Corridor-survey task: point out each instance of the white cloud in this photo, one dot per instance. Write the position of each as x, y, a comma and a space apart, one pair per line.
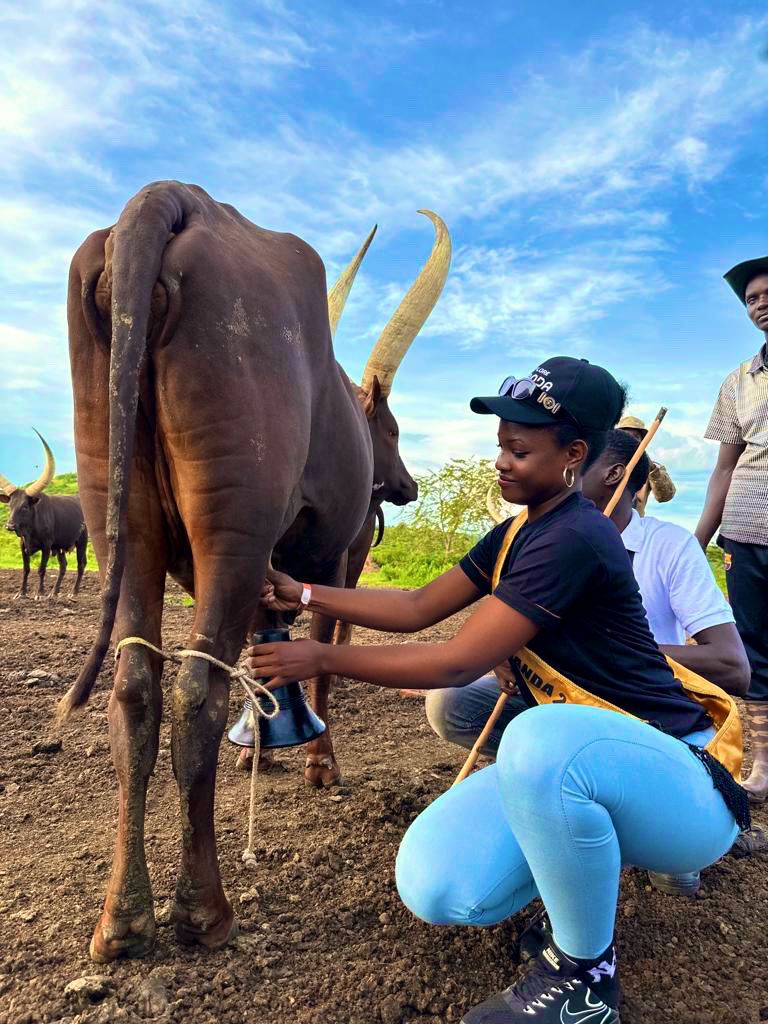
526, 300
75, 72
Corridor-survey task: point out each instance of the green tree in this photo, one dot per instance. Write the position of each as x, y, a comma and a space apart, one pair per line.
451, 505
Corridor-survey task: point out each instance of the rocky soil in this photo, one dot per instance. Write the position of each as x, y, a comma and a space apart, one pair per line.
324, 938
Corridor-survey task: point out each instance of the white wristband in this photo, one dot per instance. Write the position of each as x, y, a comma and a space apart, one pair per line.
306, 596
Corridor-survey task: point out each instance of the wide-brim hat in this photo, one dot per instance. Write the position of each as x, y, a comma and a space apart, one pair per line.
631, 423
560, 390
738, 277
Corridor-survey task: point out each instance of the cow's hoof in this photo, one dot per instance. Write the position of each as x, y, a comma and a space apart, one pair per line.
245, 761
203, 927
322, 770
116, 937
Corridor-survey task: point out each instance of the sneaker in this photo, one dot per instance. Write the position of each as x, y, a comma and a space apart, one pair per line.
556, 990
753, 841
535, 936
686, 883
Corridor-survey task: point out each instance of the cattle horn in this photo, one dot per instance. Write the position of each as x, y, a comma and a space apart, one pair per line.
6, 486
411, 315
491, 499
498, 509
337, 296
49, 471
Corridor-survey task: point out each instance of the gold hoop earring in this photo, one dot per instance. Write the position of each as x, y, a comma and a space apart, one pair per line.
572, 481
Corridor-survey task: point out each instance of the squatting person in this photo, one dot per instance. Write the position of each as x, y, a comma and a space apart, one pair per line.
737, 503
608, 763
679, 595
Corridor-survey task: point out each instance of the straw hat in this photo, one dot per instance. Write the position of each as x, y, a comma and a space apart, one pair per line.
631, 423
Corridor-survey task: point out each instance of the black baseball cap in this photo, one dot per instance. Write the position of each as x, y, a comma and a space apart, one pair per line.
560, 390
738, 277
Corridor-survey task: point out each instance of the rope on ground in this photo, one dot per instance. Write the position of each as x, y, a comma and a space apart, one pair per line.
241, 674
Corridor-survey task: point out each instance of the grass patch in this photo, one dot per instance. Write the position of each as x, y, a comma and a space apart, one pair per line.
409, 556
715, 559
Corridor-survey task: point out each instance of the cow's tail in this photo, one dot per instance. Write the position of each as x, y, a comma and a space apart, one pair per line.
140, 238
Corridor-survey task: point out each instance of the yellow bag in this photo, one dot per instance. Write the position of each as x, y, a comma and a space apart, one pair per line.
549, 686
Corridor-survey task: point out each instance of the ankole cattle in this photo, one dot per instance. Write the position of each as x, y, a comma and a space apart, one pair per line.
51, 524
214, 429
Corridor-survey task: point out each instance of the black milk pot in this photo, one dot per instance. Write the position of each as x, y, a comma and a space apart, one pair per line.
296, 724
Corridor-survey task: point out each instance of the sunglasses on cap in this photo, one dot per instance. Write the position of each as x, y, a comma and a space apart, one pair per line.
512, 387
524, 387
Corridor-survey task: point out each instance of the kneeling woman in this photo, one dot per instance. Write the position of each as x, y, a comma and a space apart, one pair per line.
607, 766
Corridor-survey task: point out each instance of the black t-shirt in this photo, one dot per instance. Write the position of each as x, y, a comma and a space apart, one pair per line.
570, 573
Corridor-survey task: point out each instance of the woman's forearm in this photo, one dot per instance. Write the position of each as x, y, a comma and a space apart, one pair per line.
397, 611
491, 633
393, 611
423, 665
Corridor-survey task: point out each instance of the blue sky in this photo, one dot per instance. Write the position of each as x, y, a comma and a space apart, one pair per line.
599, 165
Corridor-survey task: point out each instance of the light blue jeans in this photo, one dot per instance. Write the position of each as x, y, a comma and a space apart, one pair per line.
575, 793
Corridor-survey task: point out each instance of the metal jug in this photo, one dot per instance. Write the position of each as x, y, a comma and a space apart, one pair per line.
296, 724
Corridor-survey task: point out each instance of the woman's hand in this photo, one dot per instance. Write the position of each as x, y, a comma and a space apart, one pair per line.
286, 662
280, 593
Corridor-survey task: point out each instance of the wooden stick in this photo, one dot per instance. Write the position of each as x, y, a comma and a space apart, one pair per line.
474, 753
616, 496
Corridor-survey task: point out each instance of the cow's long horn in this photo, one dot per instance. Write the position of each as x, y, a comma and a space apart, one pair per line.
337, 296
411, 315
49, 471
6, 486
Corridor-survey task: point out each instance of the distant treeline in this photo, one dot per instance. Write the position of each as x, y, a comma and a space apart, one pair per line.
410, 556
441, 527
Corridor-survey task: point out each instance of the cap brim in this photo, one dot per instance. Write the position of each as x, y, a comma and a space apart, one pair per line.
513, 410
738, 277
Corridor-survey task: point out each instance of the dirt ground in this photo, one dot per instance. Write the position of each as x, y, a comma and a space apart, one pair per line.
323, 939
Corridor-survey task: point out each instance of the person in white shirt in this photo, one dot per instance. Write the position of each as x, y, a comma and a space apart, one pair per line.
679, 592
680, 597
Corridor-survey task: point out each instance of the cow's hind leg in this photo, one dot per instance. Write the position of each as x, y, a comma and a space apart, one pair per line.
82, 558
226, 598
62, 569
127, 923
321, 768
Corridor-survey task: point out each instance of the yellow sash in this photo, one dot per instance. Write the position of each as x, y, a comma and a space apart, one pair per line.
549, 686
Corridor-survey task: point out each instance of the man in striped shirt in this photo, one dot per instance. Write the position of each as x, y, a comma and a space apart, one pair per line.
737, 503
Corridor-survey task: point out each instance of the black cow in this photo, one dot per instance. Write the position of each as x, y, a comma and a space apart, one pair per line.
51, 524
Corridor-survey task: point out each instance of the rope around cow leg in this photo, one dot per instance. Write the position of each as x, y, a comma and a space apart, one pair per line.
240, 674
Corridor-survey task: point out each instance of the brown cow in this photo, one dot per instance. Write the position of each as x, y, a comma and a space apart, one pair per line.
213, 428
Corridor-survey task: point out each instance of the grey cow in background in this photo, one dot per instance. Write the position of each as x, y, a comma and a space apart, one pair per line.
50, 524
